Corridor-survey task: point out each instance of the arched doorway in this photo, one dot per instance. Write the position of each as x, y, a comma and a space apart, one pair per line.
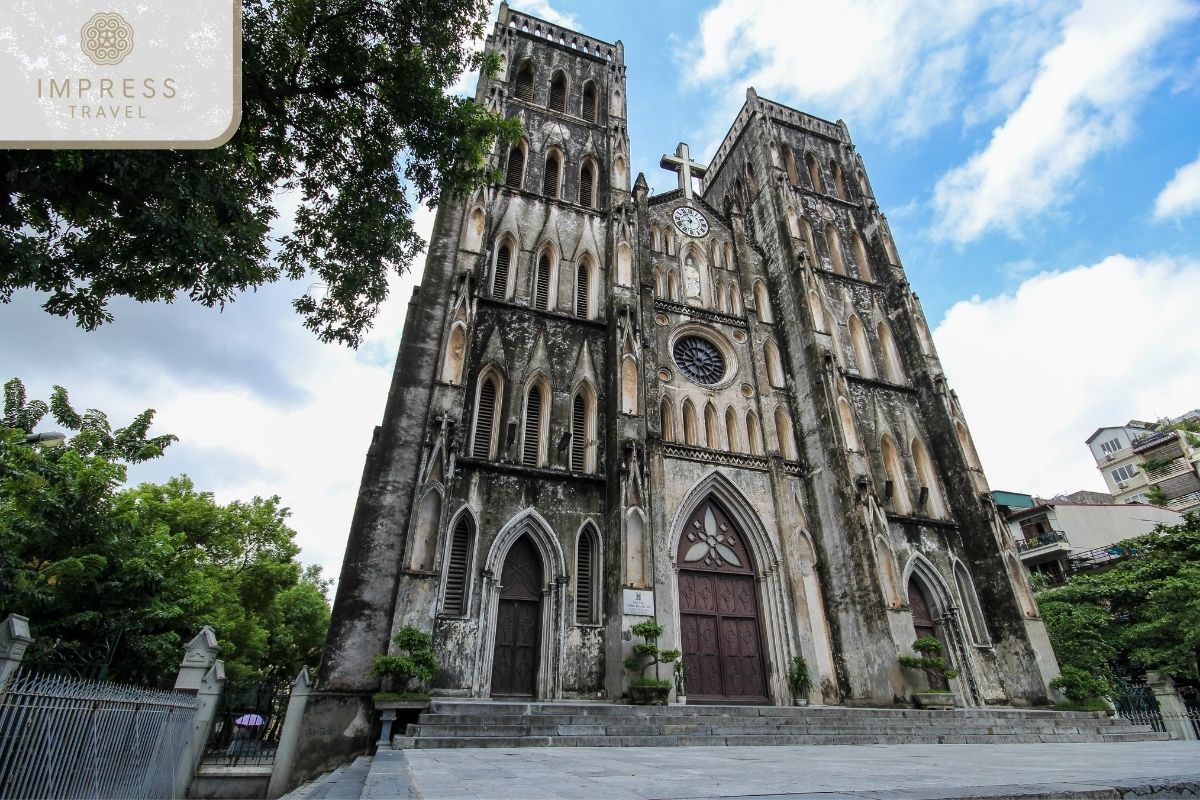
924, 625
518, 622
718, 611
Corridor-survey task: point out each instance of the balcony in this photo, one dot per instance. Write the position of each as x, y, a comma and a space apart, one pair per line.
1144, 443
1176, 466
1185, 502
1089, 560
1042, 540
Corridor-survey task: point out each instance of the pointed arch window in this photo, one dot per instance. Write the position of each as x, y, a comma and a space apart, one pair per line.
542, 282
524, 86
862, 350
584, 283
834, 243
502, 270
691, 426
754, 434
731, 431
809, 241
583, 429
589, 101
456, 347
669, 241
970, 603
629, 385
666, 412
425, 534
660, 290
783, 430
728, 260
814, 173
862, 183
673, 286
735, 300
712, 429
458, 567
893, 469
473, 235
762, 302
891, 357
487, 412
537, 404
624, 264
655, 239
839, 181
514, 173
964, 441
774, 365
846, 419
793, 223
550, 178
860, 256
558, 92
587, 184
933, 505
818, 312
751, 181
789, 160
587, 577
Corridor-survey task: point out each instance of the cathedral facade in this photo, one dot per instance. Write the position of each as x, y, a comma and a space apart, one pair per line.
718, 406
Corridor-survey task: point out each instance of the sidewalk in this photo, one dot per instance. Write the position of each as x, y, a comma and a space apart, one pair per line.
838, 772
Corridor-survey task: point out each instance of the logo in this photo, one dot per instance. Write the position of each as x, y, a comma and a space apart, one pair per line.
106, 38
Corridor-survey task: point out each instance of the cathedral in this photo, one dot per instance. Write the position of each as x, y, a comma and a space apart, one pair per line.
719, 407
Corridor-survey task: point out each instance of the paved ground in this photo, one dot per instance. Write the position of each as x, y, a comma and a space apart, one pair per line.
836, 772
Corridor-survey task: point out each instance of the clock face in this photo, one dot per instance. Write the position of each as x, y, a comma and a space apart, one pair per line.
690, 221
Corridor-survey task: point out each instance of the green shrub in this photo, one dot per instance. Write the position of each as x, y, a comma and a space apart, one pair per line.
415, 664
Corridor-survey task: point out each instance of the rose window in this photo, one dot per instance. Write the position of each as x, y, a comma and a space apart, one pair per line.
699, 359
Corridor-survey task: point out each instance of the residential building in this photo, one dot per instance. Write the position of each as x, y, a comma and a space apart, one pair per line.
1145, 462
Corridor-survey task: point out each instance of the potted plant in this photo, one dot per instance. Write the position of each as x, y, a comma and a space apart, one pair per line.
407, 673
680, 683
937, 673
799, 680
649, 690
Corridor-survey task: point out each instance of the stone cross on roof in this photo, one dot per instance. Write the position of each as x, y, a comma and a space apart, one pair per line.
687, 169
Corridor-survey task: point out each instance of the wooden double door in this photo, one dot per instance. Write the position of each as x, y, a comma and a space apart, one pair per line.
718, 612
516, 658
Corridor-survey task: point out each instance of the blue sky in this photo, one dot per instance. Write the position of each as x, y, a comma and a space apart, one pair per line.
1039, 163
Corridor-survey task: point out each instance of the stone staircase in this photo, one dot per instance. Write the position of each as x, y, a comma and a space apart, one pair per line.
464, 723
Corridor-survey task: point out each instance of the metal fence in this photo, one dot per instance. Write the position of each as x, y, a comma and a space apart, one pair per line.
247, 724
62, 737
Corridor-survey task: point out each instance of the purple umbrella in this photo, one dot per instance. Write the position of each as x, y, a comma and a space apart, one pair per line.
249, 720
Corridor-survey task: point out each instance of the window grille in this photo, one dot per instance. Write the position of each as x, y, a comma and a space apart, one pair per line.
533, 427
525, 85
578, 433
500, 278
541, 287
550, 179
582, 290
485, 417
558, 94
585, 186
455, 602
589, 103
585, 579
516, 166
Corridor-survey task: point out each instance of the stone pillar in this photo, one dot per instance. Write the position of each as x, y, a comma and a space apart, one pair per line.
201, 674
1170, 705
14, 638
289, 738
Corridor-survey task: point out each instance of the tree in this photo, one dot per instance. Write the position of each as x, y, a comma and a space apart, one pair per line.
344, 103
1144, 611
95, 565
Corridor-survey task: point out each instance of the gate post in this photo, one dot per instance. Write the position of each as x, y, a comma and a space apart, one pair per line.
1175, 717
201, 674
14, 638
289, 739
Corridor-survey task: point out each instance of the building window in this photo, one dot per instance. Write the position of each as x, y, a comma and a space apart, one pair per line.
587, 183
1122, 474
541, 283
587, 574
583, 429
589, 101
501, 271
550, 177
1111, 446
524, 88
558, 92
516, 168
486, 406
536, 401
583, 288
454, 601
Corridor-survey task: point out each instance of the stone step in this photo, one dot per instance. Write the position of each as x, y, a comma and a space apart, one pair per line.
767, 740
828, 722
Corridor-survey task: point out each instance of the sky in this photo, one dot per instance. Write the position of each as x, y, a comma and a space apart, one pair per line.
1039, 164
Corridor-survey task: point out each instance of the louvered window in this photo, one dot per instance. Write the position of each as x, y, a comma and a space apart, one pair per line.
485, 419
585, 186
516, 166
500, 278
533, 427
585, 579
525, 85
589, 103
582, 290
455, 602
541, 284
558, 93
550, 179
579, 433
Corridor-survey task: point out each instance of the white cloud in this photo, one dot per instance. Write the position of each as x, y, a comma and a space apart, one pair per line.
1039, 370
1083, 100
542, 9
1181, 196
901, 66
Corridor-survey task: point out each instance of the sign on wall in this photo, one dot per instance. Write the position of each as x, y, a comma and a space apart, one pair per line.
639, 602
